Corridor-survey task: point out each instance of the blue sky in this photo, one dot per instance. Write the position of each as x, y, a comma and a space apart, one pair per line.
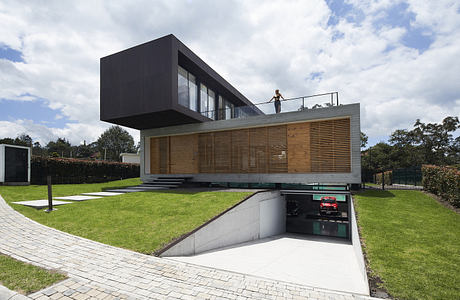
399, 59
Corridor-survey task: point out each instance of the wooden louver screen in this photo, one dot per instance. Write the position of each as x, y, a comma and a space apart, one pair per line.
330, 146
321, 146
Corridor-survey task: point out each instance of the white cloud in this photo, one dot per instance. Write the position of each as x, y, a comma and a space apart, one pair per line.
257, 46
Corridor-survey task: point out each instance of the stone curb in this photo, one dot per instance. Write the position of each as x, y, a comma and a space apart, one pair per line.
7, 294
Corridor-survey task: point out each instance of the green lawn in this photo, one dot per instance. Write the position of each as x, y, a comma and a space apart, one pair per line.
25, 278
412, 243
143, 221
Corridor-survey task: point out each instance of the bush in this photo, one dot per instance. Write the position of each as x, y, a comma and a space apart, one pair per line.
388, 178
67, 170
442, 181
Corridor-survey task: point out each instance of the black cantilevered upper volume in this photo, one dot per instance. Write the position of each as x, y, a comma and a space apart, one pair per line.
140, 87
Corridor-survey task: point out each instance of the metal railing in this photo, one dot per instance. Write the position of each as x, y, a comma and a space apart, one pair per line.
267, 107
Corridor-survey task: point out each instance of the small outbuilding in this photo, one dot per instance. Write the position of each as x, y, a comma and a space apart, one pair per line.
133, 158
14, 165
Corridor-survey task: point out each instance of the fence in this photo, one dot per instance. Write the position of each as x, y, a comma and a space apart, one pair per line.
408, 176
287, 105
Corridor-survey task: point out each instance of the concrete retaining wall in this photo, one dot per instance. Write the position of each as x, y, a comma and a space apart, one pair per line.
259, 216
357, 243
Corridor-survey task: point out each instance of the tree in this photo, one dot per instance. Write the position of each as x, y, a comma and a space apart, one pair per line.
435, 140
85, 150
61, 146
115, 141
38, 150
8, 141
23, 140
379, 157
364, 139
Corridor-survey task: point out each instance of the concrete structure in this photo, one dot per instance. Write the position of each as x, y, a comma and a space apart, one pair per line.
132, 158
14, 165
261, 215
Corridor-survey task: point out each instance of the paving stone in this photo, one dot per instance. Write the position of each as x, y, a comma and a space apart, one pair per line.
69, 292
49, 292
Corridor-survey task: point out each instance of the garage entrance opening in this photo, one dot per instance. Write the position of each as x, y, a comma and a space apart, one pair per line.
320, 213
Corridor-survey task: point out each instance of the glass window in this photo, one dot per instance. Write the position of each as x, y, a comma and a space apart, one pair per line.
182, 87
211, 102
193, 93
204, 99
228, 110
221, 109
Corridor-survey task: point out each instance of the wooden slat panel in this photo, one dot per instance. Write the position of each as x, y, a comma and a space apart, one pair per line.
206, 152
184, 154
223, 152
163, 148
240, 151
154, 156
277, 147
330, 146
258, 152
342, 146
298, 140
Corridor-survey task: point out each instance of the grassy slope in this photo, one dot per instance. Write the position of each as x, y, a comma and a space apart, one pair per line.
25, 278
412, 243
142, 221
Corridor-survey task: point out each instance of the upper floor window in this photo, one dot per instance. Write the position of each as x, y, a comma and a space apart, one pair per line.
226, 109
187, 89
208, 102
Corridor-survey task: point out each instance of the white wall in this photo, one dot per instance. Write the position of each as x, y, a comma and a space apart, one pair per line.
357, 243
130, 158
2, 161
260, 216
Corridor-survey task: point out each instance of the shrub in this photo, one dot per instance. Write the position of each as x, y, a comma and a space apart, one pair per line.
442, 181
67, 170
388, 177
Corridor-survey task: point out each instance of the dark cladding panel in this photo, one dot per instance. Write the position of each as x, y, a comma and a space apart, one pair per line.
137, 81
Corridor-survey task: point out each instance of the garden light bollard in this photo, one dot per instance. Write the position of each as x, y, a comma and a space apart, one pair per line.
50, 195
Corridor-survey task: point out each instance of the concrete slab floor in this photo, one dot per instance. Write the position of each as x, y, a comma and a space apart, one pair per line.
314, 261
77, 198
126, 190
104, 194
38, 204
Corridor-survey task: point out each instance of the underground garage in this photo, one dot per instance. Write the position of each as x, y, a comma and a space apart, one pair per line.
321, 213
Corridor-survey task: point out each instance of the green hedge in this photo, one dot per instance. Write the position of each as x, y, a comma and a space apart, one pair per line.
388, 178
67, 170
442, 181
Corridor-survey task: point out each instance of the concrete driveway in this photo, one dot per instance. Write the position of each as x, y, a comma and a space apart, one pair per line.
327, 263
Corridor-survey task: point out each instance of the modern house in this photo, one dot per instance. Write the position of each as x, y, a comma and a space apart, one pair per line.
195, 124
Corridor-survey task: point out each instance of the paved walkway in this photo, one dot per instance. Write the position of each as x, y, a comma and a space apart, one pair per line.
99, 271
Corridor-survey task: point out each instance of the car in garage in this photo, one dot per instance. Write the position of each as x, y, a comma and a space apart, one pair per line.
328, 205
